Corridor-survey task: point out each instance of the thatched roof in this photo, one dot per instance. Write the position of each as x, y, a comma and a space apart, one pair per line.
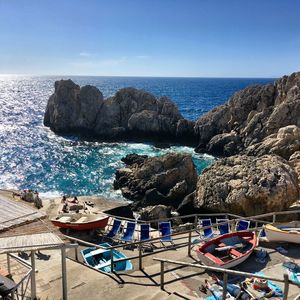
29, 242
13, 213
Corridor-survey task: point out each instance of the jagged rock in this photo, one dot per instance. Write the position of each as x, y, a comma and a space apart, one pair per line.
247, 185
295, 163
224, 143
133, 158
283, 143
187, 206
253, 114
72, 108
155, 212
130, 113
158, 180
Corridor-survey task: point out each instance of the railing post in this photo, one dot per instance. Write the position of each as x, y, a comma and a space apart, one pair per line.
76, 253
196, 222
225, 279
140, 257
274, 218
64, 273
8, 263
112, 260
33, 282
162, 273
190, 244
286, 286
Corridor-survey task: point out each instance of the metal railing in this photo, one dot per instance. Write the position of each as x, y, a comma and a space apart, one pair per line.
24, 282
225, 272
188, 235
225, 215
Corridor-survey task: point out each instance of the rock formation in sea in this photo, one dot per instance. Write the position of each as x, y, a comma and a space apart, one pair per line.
249, 117
150, 181
257, 132
129, 114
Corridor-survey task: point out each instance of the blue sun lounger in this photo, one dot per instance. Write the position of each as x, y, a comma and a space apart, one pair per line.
114, 230
165, 228
242, 225
223, 228
128, 235
145, 232
207, 232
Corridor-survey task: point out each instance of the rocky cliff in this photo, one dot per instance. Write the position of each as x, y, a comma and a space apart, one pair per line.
130, 113
249, 117
257, 129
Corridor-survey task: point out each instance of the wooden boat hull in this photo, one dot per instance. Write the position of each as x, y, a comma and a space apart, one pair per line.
207, 252
275, 234
88, 225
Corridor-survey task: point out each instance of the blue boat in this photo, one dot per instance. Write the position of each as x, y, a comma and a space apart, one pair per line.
100, 259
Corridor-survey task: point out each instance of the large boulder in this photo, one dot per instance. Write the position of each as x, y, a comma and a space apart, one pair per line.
251, 115
247, 185
130, 113
72, 108
157, 180
284, 143
156, 212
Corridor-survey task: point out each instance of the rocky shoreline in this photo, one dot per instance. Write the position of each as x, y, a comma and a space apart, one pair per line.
256, 132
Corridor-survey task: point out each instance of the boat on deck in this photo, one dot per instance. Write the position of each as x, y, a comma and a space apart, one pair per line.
80, 221
283, 232
100, 258
227, 250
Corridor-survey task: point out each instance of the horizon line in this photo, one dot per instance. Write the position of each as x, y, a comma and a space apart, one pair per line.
143, 76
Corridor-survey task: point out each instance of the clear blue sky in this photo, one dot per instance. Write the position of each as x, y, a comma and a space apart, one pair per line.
218, 38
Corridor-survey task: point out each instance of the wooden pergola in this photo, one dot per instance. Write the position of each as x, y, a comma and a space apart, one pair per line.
33, 243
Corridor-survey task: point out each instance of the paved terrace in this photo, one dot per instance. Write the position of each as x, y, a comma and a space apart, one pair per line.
180, 282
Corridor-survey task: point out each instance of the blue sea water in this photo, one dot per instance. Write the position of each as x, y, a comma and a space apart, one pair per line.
31, 156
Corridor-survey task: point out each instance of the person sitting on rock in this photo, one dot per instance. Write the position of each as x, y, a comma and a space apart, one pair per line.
37, 200
65, 208
64, 199
75, 200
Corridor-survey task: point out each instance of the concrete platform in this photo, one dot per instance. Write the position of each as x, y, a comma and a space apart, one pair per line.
180, 283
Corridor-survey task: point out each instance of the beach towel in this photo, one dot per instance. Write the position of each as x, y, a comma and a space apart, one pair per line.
277, 290
293, 271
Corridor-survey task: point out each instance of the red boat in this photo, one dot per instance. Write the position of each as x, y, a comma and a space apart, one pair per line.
80, 221
227, 250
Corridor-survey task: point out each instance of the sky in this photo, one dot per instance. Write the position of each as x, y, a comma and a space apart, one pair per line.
181, 38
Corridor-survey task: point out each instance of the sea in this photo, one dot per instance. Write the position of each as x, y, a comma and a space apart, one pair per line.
33, 157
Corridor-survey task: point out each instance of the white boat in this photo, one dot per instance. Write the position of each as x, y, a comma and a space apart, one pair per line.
283, 232
227, 250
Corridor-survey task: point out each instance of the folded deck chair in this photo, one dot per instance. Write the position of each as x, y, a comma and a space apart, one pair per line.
208, 232
114, 229
242, 225
145, 232
128, 235
165, 228
145, 237
223, 228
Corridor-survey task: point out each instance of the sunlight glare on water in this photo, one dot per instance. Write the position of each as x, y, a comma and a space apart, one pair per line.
31, 156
